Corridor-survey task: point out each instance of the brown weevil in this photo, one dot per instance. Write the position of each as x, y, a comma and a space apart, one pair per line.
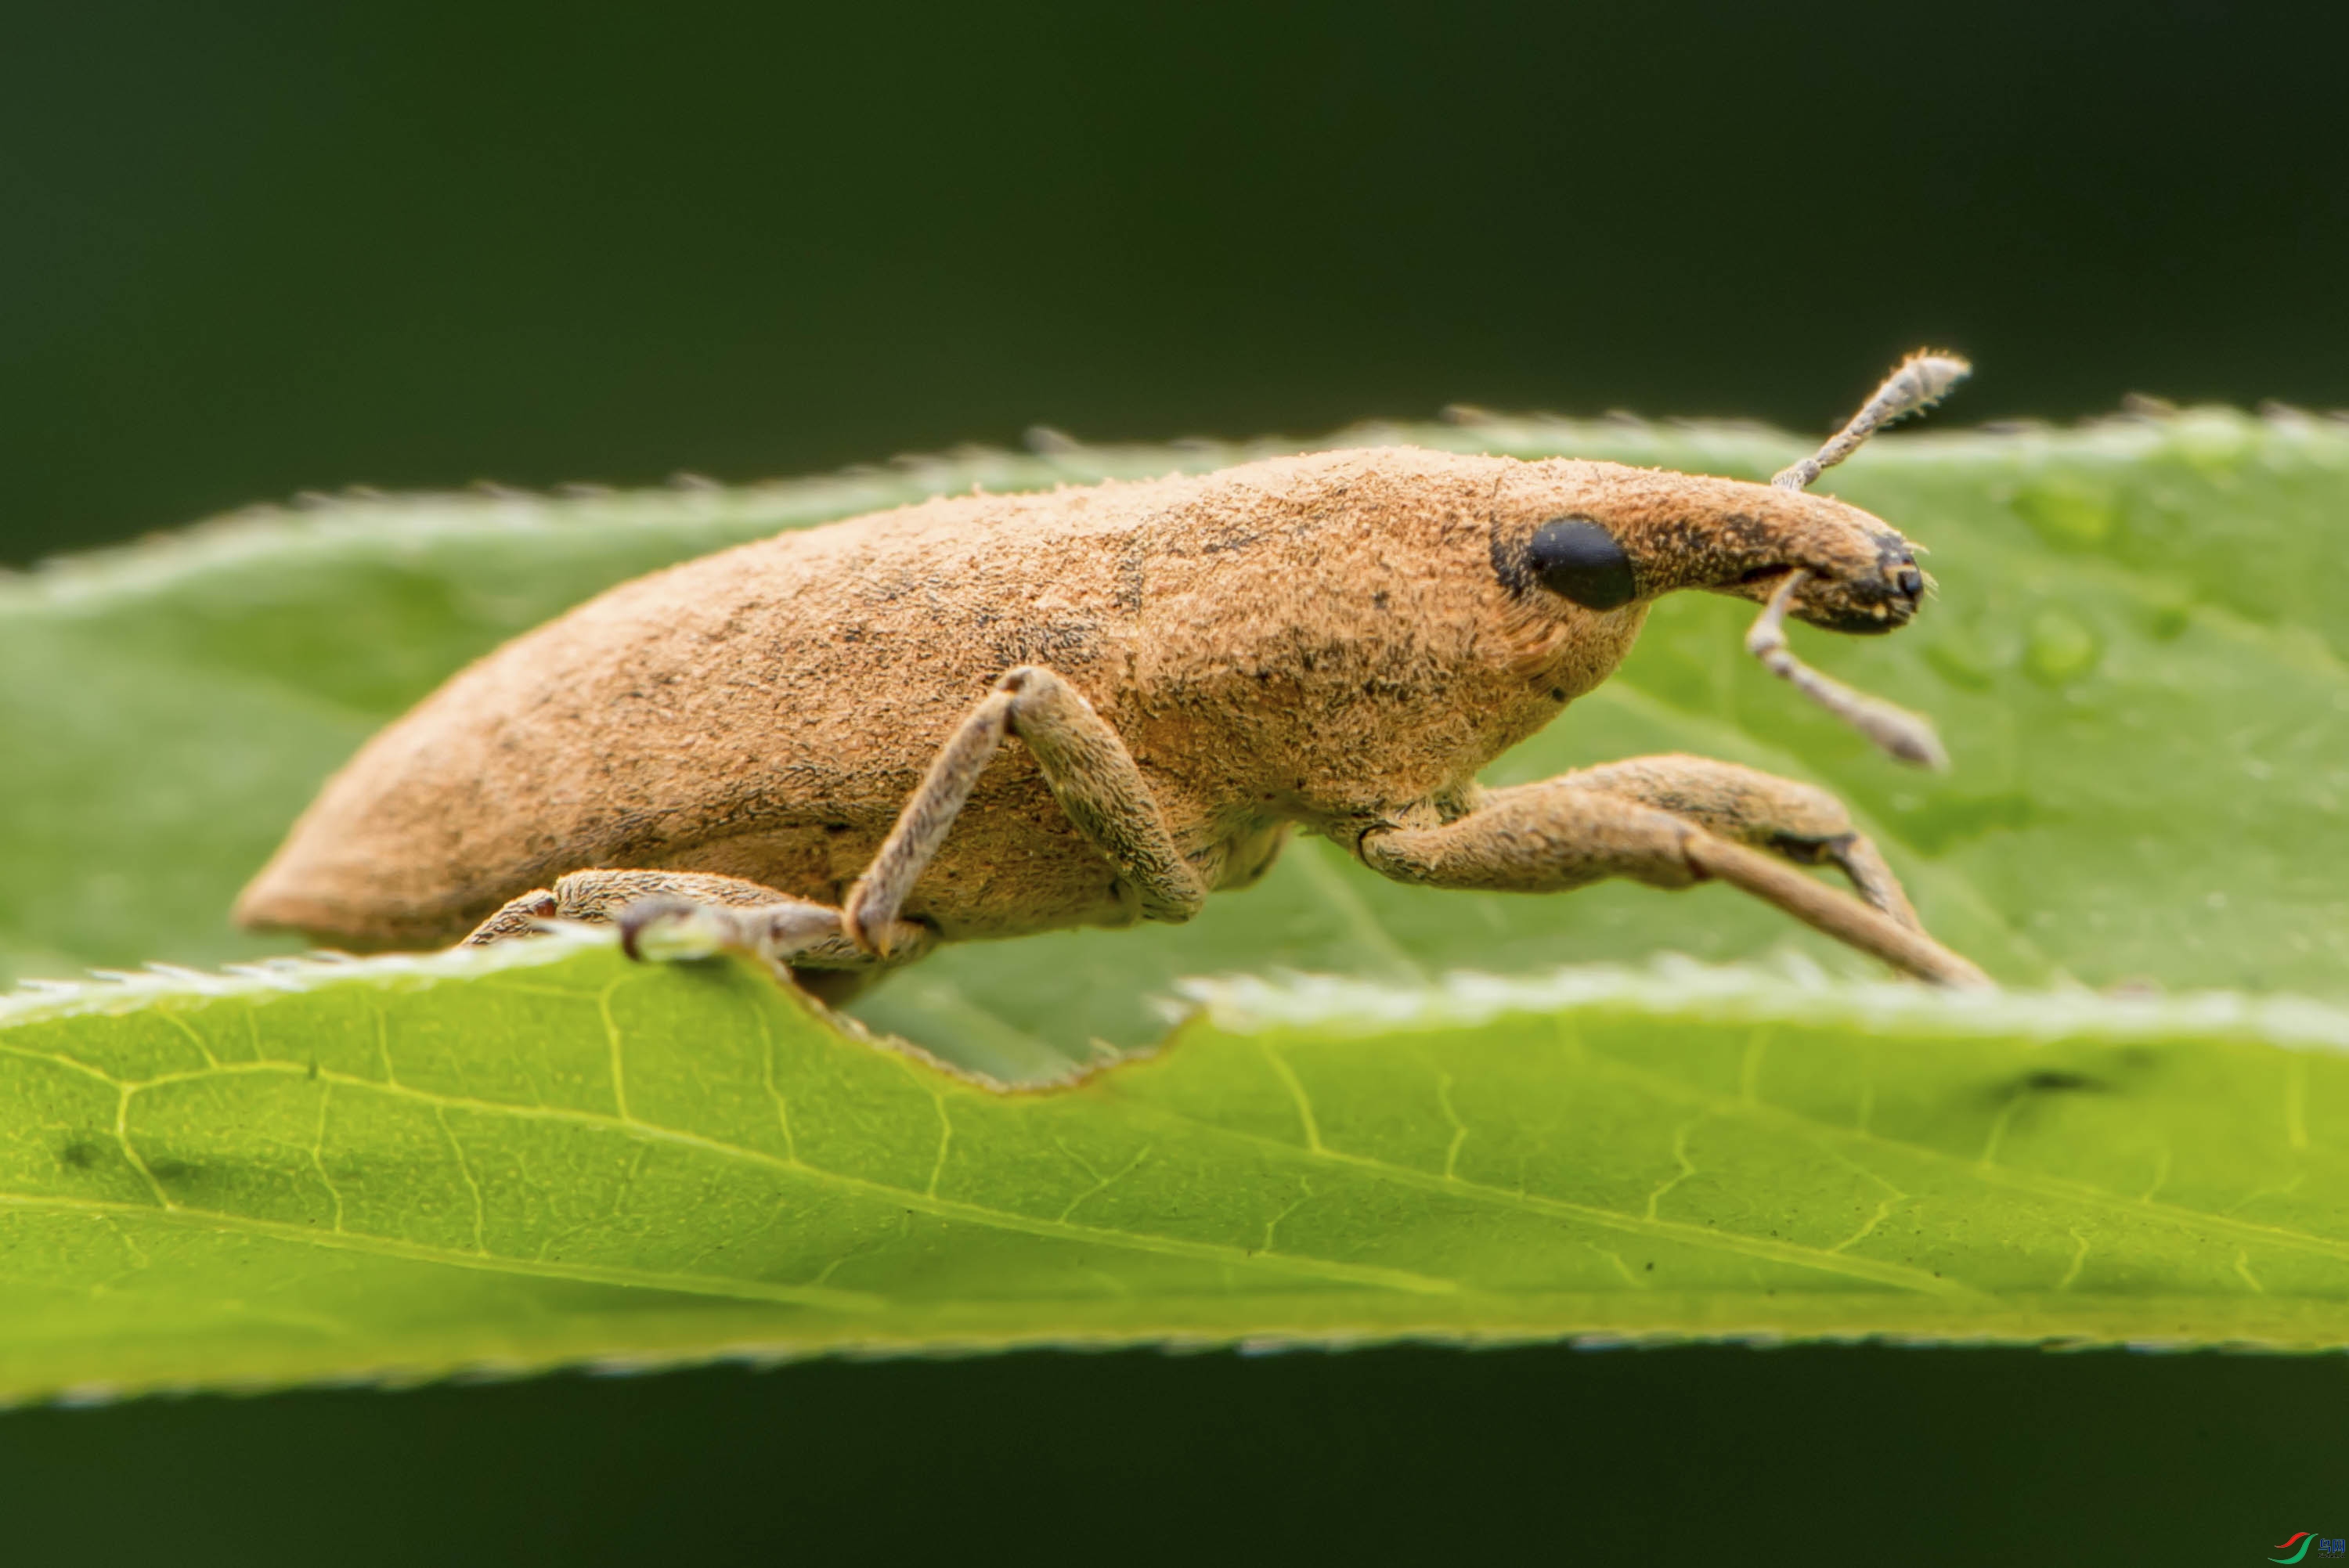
795, 746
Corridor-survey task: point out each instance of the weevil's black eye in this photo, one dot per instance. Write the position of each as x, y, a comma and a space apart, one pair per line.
1576, 559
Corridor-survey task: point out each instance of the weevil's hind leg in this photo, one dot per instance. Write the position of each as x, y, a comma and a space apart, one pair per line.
1557, 835
1804, 823
682, 915
1091, 774
597, 897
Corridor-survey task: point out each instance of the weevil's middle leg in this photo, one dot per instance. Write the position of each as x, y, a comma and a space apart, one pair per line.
1559, 835
1091, 774
687, 913
1760, 809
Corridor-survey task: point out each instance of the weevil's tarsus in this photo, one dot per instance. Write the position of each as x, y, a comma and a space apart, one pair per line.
1091, 775
674, 931
1859, 859
667, 917
788, 933
1919, 382
1904, 736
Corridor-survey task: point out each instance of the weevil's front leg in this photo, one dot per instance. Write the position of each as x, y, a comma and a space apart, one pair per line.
1797, 820
664, 914
1091, 774
1557, 835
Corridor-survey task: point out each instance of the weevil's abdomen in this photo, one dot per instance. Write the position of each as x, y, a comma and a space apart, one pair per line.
1311, 639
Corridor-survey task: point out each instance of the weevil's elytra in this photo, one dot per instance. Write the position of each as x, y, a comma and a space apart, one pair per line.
800, 745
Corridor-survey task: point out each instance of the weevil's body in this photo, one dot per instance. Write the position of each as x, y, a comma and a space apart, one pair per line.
1337, 642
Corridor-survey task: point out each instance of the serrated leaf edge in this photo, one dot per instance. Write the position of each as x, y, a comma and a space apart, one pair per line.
1670, 986
398, 521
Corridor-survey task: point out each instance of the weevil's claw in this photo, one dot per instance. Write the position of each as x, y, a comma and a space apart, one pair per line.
671, 930
863, 938
1909, 737
1958, 973
524, 916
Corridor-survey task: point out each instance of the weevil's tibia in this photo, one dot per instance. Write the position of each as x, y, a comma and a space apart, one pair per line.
1091, 774
1905, 736
1842, 917
1919, 382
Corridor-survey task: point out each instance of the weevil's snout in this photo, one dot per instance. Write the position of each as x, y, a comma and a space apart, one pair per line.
1879, 593
1860, 577
1601, 538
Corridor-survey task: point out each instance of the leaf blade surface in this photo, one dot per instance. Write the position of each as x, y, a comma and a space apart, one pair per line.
322, 1177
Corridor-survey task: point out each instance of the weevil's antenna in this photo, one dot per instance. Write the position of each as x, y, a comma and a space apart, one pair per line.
1920, 381
1917, 383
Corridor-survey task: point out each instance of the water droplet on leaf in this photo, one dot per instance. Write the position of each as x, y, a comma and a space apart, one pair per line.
2061, 650
2070, 514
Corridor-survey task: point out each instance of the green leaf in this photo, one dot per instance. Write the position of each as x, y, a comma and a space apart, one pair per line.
544, 1153
2140, 660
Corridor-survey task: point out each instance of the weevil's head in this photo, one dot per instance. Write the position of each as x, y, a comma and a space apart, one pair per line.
1599, 538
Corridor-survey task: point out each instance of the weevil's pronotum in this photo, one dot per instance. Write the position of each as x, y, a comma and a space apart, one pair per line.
796, 746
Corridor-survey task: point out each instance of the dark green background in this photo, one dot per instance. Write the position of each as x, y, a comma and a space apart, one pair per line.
249, 251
